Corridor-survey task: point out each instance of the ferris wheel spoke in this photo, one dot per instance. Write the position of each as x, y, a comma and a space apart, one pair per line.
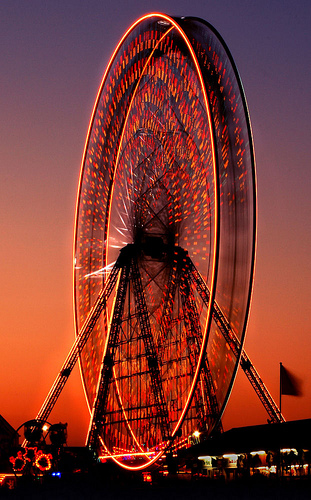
157, 180
153, 215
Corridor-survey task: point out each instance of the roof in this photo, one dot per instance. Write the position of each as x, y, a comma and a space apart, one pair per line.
293, 434
6, 429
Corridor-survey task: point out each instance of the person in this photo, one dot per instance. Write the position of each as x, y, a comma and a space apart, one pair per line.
240, 465
269, 459
256, 462
246, 465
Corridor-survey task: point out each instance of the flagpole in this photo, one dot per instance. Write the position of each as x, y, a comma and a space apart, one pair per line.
280, 405
281, 387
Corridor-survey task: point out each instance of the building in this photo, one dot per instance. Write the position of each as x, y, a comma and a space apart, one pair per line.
282, 449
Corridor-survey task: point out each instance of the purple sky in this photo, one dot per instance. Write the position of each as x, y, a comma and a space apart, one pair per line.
52, 58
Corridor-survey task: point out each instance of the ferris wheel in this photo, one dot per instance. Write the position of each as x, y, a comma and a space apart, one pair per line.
164, 243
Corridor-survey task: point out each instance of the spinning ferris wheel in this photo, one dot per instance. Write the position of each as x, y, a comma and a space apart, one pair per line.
164, 243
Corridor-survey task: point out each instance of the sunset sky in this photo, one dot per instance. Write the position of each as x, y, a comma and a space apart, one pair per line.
52, 58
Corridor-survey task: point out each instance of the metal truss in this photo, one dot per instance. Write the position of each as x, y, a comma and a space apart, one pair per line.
129, 271
78, 345
166, 320
108, 361
235, 345
207, 407
185, 275
151, 353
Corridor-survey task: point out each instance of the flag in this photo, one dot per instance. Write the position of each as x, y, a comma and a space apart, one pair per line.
290, 384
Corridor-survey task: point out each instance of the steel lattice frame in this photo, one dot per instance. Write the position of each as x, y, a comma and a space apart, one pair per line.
164, 243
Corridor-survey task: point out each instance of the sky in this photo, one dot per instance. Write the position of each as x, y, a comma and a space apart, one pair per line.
52, 58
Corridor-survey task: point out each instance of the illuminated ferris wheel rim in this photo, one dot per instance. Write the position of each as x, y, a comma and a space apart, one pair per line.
173, 22
254, 186
166, 19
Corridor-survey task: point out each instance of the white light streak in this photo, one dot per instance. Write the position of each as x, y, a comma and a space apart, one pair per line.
100, 272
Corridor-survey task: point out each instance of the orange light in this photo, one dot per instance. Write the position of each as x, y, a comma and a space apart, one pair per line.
125, 455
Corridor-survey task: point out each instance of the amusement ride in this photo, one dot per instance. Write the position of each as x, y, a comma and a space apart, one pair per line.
165, 242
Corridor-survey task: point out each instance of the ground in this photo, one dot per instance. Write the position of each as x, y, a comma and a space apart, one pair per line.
91, 487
